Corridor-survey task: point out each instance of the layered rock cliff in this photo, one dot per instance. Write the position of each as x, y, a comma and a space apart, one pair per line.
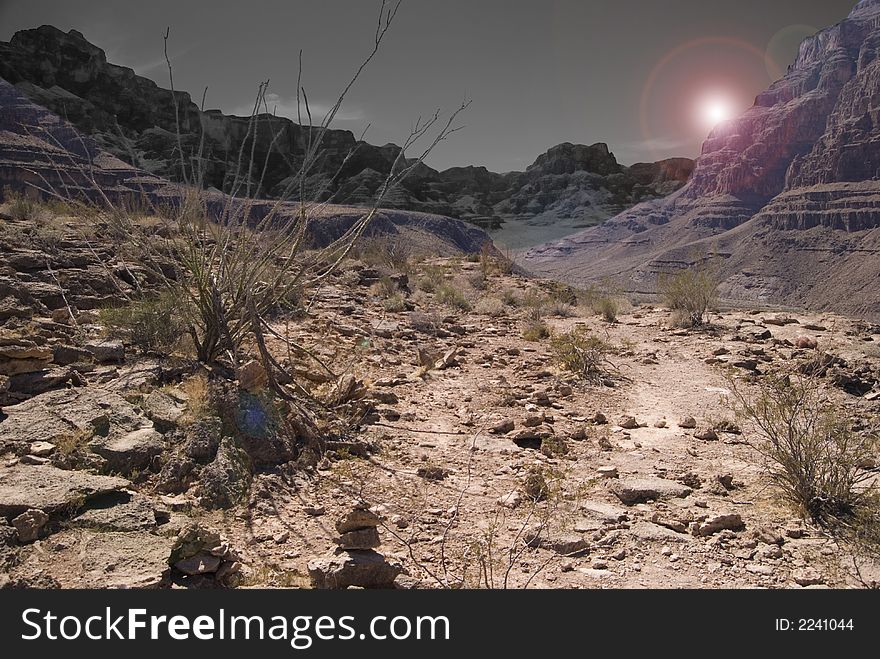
787, 195
134, 119
43, 154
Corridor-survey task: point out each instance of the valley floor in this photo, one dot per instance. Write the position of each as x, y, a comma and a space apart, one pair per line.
466, 404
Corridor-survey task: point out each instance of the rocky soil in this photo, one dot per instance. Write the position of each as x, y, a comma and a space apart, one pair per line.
461, 452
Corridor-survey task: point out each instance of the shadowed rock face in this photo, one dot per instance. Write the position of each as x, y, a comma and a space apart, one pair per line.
788, 193
40, 150
134, 119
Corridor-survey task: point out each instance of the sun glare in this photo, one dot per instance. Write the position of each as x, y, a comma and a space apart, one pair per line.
713, 110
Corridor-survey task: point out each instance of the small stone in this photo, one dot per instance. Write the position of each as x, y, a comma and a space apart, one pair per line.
42, 449
660, 423
628, 423
314, 510
502, 427
706, 434
599, 564
511, 499
687, 422
806, 343
202, 563
359, 518
252, 376
29, 523
807, 577
366, 538
607, 472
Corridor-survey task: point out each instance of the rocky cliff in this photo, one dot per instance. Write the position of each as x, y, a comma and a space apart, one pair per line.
133, 119
787, 195
39, 151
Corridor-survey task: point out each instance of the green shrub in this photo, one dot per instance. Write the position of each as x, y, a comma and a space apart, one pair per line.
453, 297
690, 293
151, 325
608, 308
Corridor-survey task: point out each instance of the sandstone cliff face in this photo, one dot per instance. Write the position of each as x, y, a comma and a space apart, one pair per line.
133, 119
788, 194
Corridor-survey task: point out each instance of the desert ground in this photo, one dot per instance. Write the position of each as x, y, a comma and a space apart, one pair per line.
443, 408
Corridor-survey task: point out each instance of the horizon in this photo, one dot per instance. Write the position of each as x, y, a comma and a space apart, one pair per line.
710, 54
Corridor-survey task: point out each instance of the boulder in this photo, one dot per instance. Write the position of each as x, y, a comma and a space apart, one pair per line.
107, 352
226, 480
29, 523
162, 410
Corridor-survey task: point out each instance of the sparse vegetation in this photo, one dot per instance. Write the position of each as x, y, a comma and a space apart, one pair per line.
490, 306
535, 330
535, 485
814, 455
689, 293
452, 297
154, 325
583, 354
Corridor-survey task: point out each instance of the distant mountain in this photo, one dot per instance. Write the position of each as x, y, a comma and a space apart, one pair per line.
569, 187
39, 149
787, 195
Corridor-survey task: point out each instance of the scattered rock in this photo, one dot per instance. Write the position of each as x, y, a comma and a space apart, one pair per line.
706, 434
628, 423
687, 422
716, 523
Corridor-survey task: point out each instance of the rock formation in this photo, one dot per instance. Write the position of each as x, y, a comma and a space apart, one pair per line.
39, 150
787, 194
355, 562
133, 119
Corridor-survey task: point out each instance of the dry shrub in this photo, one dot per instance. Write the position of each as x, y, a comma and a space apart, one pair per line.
490, 306
582, 353
535, 330
813, 452
535, 485
689, 293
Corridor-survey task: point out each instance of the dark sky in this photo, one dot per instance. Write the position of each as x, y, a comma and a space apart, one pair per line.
632, 73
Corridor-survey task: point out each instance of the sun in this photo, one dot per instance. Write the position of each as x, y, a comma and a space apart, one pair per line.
714, 109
